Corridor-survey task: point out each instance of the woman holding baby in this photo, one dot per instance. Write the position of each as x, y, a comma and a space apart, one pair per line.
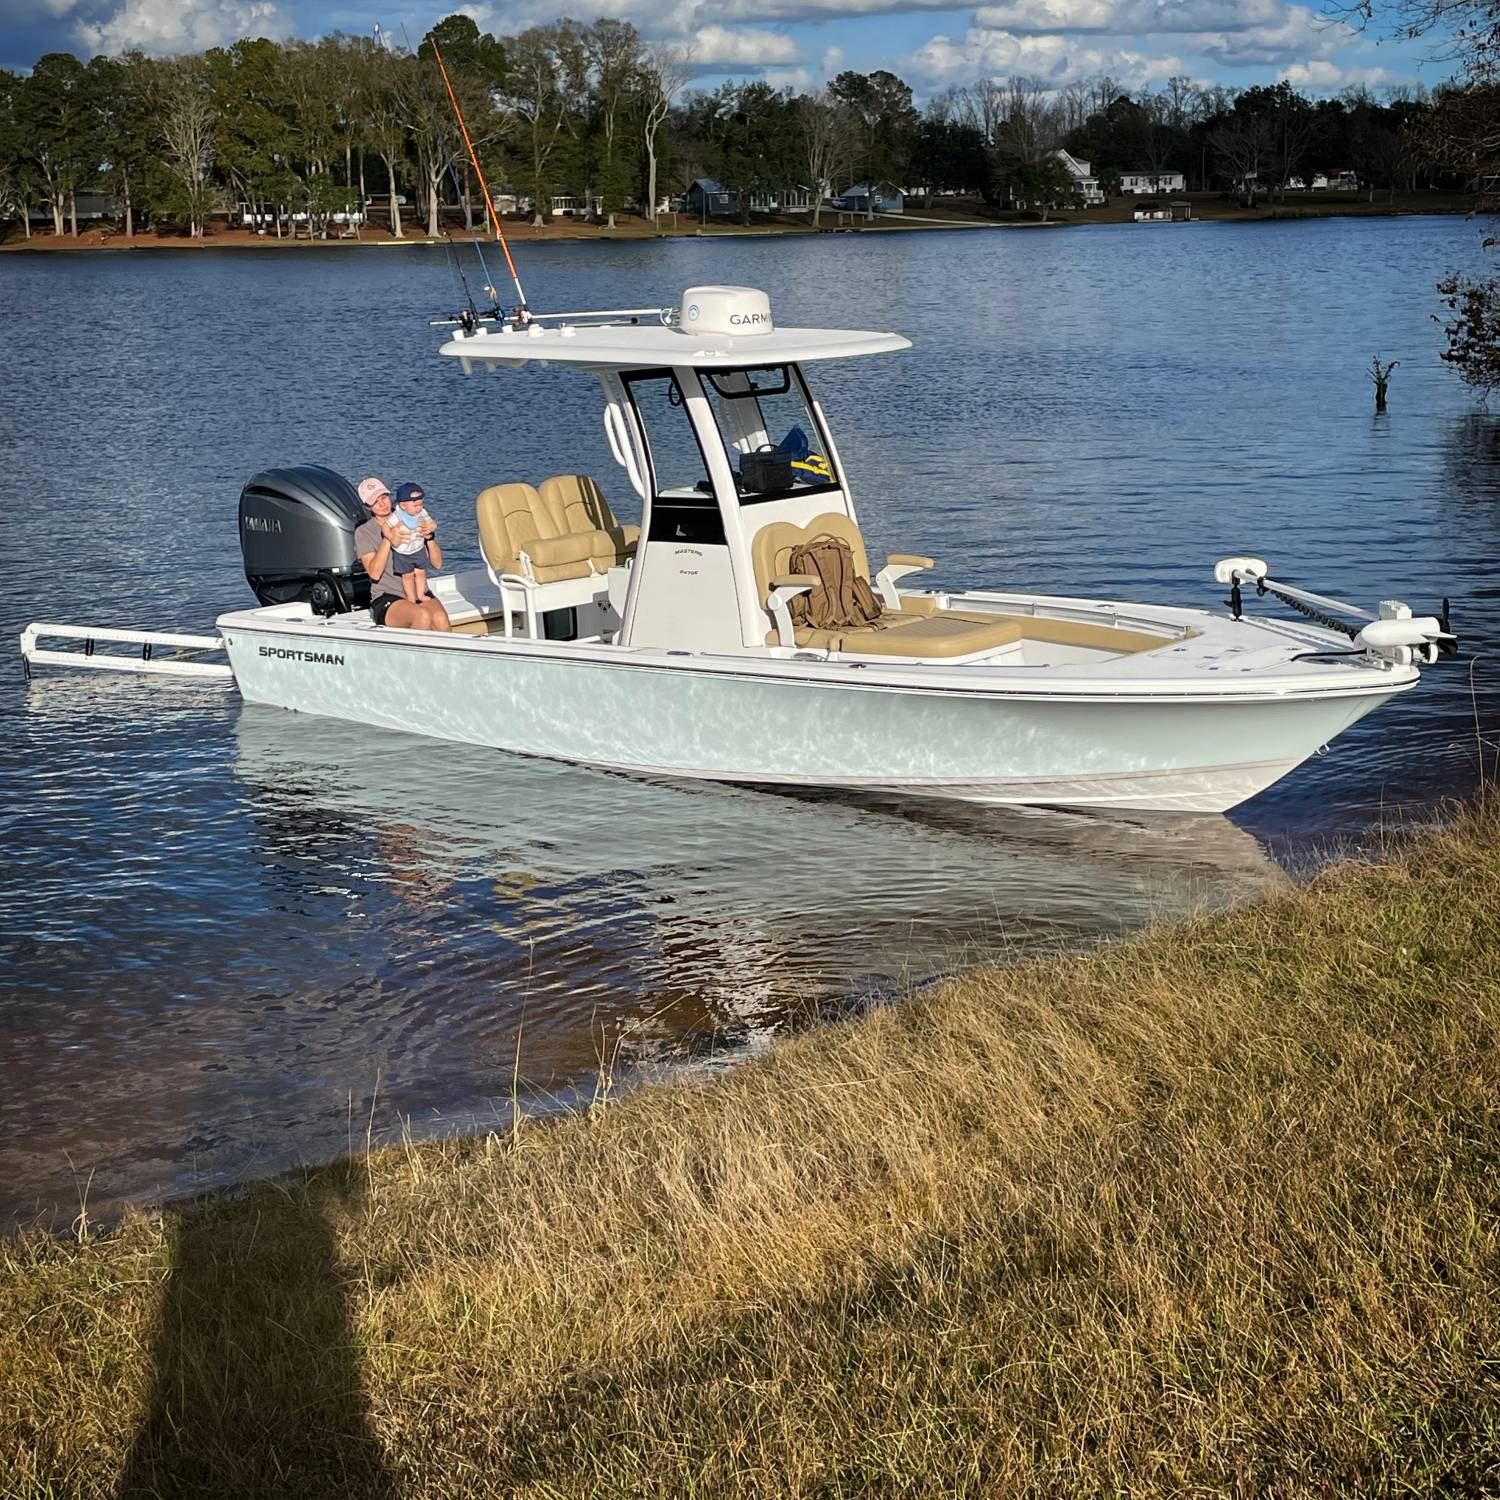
394, 597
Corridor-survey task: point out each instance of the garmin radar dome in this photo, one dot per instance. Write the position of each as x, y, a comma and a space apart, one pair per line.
735, 310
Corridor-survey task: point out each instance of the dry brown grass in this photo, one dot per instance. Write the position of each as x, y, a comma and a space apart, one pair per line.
1211, 1213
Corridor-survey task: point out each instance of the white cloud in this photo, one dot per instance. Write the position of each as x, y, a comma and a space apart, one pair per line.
744, 46
1320, 74
985, 53
1038, 36
1238, 33
171, 26
1128, 17
816, 10
1296, 36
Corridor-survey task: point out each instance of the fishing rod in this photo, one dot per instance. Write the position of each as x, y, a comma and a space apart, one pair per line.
523, 313
473, 316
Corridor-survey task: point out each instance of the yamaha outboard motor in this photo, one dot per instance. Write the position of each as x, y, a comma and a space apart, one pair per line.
297, 537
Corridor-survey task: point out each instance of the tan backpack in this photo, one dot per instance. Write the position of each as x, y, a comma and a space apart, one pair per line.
843, 600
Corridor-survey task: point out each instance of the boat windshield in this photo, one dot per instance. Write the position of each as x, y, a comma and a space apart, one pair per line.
772, 438
678, 470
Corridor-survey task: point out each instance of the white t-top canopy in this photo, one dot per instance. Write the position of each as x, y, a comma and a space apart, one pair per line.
706, 333
629, 347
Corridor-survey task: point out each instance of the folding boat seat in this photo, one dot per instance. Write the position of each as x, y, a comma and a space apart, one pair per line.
918, 630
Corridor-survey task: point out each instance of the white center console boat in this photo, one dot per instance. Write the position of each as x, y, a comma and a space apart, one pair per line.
701, 645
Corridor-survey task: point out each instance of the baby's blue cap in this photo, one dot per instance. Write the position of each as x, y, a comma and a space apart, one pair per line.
408, 491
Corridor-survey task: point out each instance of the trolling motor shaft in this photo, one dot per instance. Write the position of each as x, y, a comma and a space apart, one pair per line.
1394, 632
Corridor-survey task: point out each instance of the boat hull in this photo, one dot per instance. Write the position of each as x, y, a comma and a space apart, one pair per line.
1198, 754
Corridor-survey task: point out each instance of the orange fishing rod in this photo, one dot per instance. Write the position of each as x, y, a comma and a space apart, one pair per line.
489, 203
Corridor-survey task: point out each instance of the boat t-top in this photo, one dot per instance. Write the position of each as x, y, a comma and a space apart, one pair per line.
742, 632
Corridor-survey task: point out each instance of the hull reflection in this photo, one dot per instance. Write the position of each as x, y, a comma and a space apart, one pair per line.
391, 924
681, 909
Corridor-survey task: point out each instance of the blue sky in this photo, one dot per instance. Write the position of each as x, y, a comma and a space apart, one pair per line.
801, 42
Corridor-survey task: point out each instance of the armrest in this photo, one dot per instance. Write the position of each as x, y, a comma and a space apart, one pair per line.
555, 551
897, 566
784, 588
626, 539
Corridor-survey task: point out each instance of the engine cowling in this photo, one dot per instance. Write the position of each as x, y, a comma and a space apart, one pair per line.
297, 539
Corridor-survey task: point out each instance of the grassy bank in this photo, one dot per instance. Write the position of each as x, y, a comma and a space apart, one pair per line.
1211, 1213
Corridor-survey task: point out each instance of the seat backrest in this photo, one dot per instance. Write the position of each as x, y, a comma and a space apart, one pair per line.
576, 503
771, 547
510, 516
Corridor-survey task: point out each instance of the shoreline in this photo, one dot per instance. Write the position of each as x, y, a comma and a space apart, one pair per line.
1207, 208
1210, 1207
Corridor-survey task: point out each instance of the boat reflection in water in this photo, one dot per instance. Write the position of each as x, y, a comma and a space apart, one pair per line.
653, 922
366, 926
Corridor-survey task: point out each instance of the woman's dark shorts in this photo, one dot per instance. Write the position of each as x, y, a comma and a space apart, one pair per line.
379, 605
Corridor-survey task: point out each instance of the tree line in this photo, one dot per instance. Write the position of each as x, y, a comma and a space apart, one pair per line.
308, 130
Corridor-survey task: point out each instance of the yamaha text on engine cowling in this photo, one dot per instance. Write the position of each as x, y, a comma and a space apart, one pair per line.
297, 538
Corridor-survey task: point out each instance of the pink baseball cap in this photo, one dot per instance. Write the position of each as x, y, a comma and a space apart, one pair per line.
370, 490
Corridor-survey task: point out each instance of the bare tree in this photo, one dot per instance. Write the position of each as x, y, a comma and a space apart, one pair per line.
1293, 126
989, 108
544, 86
828, 140
664, 71
416, 84
1157, 136
1106, 89
428, 119
12, 200
1029, 127
1213, 101
614, 53
384, 119
186, 115
1074, 103
955, 104
1180, 101
1243, 144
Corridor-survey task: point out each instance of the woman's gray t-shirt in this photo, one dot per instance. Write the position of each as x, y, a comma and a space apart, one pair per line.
367, 538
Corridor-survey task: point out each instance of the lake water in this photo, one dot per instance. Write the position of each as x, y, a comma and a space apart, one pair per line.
232, 938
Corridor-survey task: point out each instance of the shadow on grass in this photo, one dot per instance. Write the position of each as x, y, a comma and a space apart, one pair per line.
257, 1387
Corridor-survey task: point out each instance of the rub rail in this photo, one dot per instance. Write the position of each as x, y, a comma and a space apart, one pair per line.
97, 661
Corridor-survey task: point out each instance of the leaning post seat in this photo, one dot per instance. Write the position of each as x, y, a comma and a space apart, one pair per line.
542, 549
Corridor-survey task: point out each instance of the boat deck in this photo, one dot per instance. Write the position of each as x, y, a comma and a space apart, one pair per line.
1201, 654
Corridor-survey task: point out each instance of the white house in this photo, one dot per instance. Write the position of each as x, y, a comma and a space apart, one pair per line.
792, 199
1338, 182
1152, 182
574, 205
1083, 179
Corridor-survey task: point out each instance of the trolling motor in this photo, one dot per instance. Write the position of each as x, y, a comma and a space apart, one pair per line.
1394, 634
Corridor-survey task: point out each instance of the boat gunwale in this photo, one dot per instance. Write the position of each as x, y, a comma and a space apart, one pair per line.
941, 680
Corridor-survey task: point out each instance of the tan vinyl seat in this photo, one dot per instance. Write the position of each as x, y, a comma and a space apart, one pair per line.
513, 524
919, 628
896, 632
576, 506
564, 530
